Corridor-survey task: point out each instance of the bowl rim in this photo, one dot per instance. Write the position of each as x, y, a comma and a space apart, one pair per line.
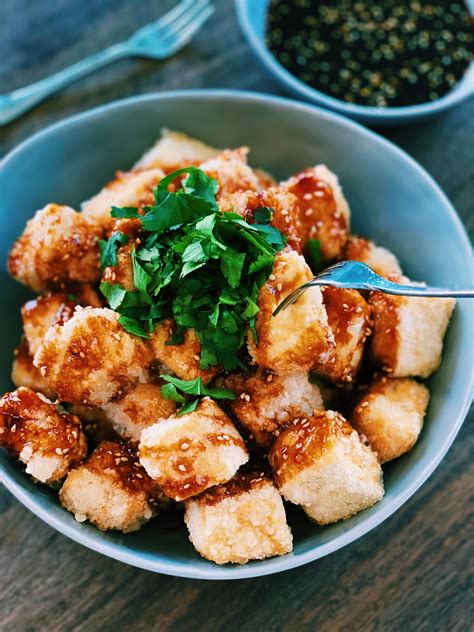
181, 569
461, 91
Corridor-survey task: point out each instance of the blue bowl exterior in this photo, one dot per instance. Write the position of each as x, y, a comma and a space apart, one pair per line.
393, 200
251, 15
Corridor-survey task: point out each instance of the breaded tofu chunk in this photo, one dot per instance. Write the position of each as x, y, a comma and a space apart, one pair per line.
240, 521
283, 204
140, 407
390, 414
408, 333
232, 172
381, 260
181, 359
265, 402
42, 313
128, 188
324, 211
299, 338
47, 441
24, 372
321, 464
175, 150
90, 359
111, 489
349, 319
57, 247
189, 453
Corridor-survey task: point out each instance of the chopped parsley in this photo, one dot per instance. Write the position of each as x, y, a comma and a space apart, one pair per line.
195, 264
172, 389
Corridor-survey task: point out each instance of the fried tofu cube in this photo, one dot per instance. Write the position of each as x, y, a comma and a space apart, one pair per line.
57, 247
240, 521
381, 260
128, 188
181, 359
24, 372
324, 211
189, 453
90, 358
349, 318
111, 489
34, 431
232, 172
283, 204
175, 150
299, 338
43, 312
265, 402
321, 464
408, 333
141, 406
390, 415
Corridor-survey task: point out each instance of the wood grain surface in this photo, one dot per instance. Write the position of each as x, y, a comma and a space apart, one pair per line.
412, 573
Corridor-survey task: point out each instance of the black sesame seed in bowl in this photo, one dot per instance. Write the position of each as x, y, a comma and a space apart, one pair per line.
382, 62
381, 54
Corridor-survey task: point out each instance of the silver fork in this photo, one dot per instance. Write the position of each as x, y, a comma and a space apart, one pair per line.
357, 276
157, 40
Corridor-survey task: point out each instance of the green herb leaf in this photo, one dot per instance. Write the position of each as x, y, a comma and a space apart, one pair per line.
108, 249
133, 326
169, 391
113, 293
125, 212
196, 387
314, 251
263, 215
188, 408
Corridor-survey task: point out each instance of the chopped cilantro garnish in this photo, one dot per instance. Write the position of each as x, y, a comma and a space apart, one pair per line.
108, 249
195, 387
195, 264
314, 252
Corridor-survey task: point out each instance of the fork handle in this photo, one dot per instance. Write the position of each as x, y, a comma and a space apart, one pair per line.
458, 291
23, 99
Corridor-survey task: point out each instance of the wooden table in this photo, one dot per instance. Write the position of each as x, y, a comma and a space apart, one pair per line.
411, 573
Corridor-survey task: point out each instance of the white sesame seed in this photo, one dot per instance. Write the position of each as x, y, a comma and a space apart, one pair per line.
58, 451
272, 277
182, 468
13, 428
307, 196
279, 287
308, 212
184, 445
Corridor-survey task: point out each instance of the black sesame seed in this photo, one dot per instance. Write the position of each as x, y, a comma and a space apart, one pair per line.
385, 54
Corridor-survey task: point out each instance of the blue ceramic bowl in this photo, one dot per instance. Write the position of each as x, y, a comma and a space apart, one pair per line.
394, 201
252, 18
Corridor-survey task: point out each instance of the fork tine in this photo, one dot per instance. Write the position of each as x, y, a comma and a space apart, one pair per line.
175, 27
165, 20
193, 27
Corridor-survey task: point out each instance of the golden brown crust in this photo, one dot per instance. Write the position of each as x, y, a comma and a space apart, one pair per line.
284, 204
30, 421
24, 372
349, 317
243, 481
319, 214
304, 442
385, 341
91, 358
57, 247
231, 171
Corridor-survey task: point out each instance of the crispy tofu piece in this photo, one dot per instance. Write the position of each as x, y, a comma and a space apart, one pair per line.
43, 312
265, 402
128, 188
181, 359
140, 407
390, 414
57, 247
349, 318
189, 453
24, 372
34, 431
240, 521
90, 359
232, 172
381, 260
111, 489
324, 211
284, 205
175, 150
408, 333
321, 464
299, 338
